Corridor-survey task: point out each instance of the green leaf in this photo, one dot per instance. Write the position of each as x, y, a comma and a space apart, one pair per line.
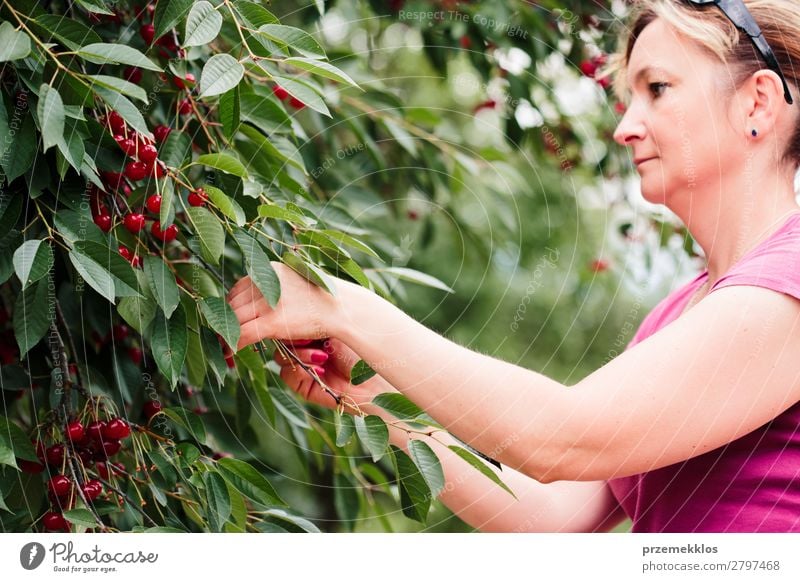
93, 273
117, 54
51, 116
202, 24
71, 33
122, 274
346, 499
18, 150
254, 13
295, 38
360, 373
300, 522
189, 421
14, 439
348, 240
280, 213
398, 405
166, 215
249, 482
428, 464
230, 112
221, 318
480, 466
122, 105
321, 68
345, 427
81, 517
176, 149
14, 44
304, 93
259, 267
138, 312
168, 14
221, 73
168, 342
264, 113
163, 284
309, 271
120, 86
289, 408
32, 261
223, 162
227, 206
96, 7
31, 316
74, 227
415, 277
219, 502
210, 232
374, 434
415, 495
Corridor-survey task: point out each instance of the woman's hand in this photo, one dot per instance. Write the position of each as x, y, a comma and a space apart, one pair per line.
303, 310
332, 360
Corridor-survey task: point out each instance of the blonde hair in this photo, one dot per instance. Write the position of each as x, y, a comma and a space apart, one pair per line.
719, 38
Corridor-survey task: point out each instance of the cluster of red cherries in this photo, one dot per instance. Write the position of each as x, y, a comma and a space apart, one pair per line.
93, 444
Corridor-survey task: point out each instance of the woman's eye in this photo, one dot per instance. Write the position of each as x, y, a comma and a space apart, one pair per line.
656, 88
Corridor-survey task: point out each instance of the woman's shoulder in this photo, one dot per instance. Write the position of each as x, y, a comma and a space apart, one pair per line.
773, 264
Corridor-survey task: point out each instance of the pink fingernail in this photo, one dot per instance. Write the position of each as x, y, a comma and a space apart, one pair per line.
319, 357
320, 371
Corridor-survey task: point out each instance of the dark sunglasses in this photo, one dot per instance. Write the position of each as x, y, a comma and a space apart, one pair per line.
740, 16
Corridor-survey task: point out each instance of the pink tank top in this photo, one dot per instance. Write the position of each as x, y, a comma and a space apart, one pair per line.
753, 483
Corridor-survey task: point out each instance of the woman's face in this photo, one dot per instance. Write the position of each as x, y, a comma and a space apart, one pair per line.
676, 117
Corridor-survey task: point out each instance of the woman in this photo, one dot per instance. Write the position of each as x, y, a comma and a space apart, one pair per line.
695, 427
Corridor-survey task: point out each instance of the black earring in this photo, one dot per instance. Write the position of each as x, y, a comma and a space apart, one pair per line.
754, 132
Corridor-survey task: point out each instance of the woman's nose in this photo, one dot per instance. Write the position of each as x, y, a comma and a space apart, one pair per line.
630, 128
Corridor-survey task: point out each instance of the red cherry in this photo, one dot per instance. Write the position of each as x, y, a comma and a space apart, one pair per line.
296, 103
161, 132
230, 361
126, 144
116, 123
588, 67
198, 197
134, 222
133, 74
102, 469
120, 332
620, 108
75, 431
599, 265
117, 429
31, 467
92, 489
55, 454
136, 262
151, 408
103, 221
464, 42
167, 235
112, 180
156, 169
126, 254
108, 448
52, 521
181, 83
148, 154
604, 82
135, 354
185, 106
280, 92
85, 456
59, 485
136, 170
147, 31
154, 203
95, 430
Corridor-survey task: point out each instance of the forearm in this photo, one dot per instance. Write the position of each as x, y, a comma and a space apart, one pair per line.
566, 506
482, 400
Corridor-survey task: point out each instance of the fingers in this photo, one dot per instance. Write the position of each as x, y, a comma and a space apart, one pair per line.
309, 356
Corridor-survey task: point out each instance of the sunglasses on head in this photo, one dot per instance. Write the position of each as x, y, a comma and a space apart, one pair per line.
740, 16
